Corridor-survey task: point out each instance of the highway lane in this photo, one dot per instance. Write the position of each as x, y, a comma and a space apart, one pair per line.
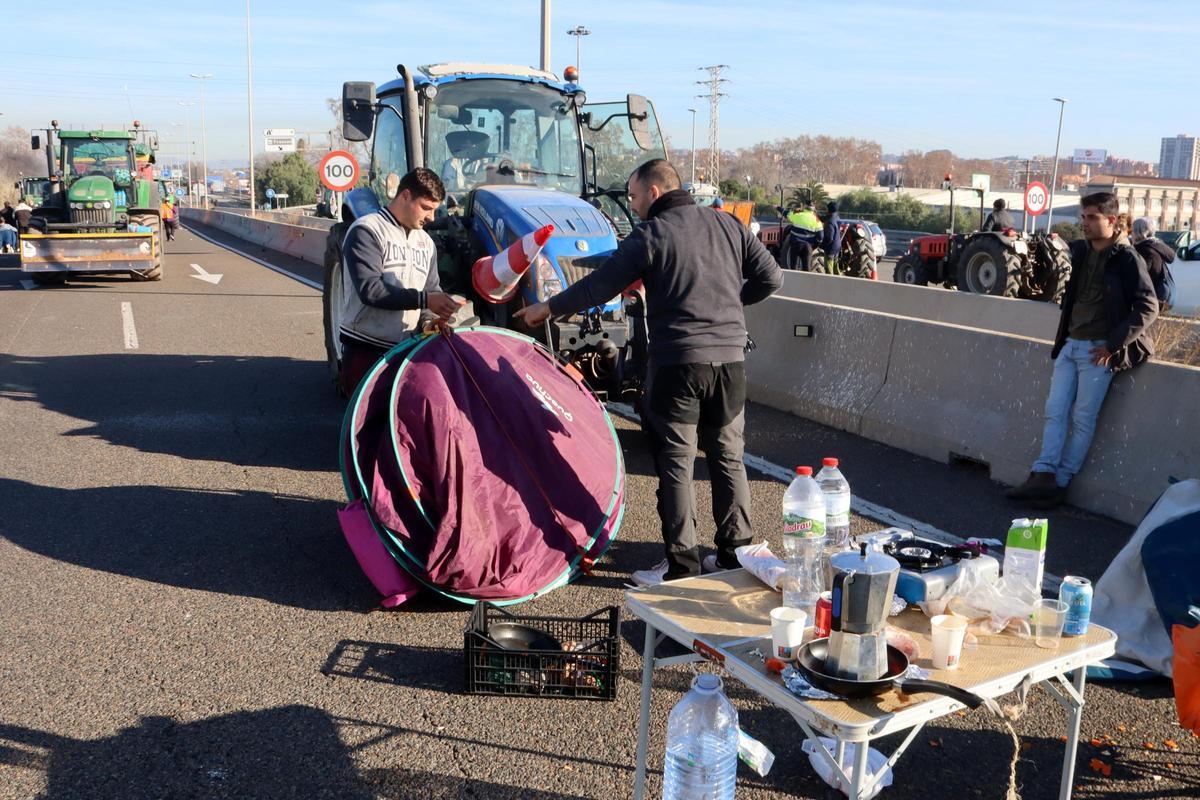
182, 618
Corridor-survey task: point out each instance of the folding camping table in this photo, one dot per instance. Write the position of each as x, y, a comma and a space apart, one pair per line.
724, 617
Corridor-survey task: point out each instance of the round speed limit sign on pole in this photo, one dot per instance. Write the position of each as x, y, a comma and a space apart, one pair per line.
338, 171
1037, 198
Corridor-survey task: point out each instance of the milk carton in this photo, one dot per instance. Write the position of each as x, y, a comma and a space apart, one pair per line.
1025, 550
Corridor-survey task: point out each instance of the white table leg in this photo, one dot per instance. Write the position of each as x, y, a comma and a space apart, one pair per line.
639, 786
858, 780
1074, 717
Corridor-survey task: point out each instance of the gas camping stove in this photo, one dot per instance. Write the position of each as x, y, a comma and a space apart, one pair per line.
927, 568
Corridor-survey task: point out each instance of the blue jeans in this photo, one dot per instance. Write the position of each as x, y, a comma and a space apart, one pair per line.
1077, 390
8, 238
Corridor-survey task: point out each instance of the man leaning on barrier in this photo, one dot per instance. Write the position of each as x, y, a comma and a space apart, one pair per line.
1107, 308
700, 267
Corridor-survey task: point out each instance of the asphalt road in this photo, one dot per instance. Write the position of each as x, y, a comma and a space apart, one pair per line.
181, 618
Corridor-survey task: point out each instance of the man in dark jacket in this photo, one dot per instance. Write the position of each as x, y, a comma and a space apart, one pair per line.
1108, 305
699, 268
831, 242
999, 219
1157, 254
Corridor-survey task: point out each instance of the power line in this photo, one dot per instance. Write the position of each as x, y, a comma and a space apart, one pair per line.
714, 125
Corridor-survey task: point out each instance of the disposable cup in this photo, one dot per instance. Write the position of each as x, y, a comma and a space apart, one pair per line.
1048, 618
787, 631
948, 634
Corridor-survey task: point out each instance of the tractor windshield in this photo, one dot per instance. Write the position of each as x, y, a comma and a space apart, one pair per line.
96, 157
491, 131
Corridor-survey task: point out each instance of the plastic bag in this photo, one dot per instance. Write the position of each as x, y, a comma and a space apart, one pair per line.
1186, 674
990, 605
760, 562
875, 760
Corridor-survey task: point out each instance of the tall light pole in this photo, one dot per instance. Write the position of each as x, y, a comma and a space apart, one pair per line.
203, 133
693, 144
1062, 105
188, 105
249, 108
546, 35
578, 32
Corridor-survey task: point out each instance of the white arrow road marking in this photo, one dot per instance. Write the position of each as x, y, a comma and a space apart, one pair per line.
28, 285
131, 340
213, 278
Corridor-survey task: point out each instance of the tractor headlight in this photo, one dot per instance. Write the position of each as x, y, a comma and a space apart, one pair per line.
548, 282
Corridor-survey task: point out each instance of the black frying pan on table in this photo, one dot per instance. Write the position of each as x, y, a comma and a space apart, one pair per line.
812, 665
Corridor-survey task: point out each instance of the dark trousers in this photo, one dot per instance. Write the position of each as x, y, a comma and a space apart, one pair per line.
702, 404
357, 359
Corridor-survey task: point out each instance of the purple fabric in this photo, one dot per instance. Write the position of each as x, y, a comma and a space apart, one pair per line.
396, 585
506, 521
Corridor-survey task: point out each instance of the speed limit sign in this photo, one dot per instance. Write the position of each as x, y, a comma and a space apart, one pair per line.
338, 171
1037, 198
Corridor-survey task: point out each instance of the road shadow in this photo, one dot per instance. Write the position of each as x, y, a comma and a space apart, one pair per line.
437, 668
286, 752
248, 411
284, 549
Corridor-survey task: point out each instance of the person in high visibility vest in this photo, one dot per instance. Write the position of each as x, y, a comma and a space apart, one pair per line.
170, 217
805, 233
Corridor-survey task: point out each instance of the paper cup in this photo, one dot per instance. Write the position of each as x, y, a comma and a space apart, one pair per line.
948, 634
787, 631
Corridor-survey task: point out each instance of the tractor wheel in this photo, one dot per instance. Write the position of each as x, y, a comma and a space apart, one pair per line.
154, 223
819, 262
1057, 273
331, 301
858, 257
910, 269
986, 266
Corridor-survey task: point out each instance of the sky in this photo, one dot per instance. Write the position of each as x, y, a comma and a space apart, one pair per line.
976, 78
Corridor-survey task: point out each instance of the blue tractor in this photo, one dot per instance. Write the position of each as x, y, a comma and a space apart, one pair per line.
517, 149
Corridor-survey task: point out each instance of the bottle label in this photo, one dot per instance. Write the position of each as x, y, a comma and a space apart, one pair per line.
803, 527
837, 510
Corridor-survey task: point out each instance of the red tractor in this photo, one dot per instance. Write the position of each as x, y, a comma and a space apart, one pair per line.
1002, 263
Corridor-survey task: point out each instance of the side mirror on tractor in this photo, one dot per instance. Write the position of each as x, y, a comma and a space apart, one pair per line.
639, 120
358, 110
35, 142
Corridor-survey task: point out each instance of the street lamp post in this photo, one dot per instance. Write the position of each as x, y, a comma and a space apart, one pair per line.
578, 32
693, 144
249, 108
203, 134
188, 105
1062, 105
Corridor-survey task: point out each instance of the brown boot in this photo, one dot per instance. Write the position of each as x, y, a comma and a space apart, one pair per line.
1037, 486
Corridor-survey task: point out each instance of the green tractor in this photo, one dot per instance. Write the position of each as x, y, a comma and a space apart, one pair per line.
101, 211
32, 191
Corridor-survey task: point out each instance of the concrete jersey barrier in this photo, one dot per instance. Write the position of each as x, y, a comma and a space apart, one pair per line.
945, 391
305, 243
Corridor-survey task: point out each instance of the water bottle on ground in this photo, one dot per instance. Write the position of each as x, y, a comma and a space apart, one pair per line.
803, 542
702, 744
837, 511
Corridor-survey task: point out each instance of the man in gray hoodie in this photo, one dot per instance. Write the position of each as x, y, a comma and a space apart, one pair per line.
700, 267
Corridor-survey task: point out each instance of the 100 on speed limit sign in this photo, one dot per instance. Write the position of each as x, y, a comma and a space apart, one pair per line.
1037, 198
338, 171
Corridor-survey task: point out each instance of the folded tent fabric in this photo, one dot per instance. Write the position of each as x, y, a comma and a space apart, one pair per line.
489, 471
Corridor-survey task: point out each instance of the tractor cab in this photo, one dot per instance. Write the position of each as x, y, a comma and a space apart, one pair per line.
517, 149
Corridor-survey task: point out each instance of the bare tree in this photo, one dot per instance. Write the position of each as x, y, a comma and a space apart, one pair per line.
18, 160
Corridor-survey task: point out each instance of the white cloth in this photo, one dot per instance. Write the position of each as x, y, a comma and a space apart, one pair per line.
1123, 602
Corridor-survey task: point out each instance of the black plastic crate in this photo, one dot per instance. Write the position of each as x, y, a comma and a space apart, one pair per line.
585, 667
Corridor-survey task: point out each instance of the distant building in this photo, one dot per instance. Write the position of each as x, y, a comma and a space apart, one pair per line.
1180, 158
1173, 204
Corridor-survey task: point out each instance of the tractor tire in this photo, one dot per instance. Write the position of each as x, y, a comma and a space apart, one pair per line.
910, 269
49, 278
1057, 274
331, 301
858, 258
154, 223
986, 266
819, 262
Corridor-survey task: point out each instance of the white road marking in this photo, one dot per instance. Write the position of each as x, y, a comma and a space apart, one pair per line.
131, 340
28, 285
256, 260
209, 277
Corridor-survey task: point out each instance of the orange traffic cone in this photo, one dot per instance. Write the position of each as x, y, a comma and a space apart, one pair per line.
496, 277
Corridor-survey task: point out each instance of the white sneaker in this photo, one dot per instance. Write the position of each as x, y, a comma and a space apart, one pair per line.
652, 576
709, 564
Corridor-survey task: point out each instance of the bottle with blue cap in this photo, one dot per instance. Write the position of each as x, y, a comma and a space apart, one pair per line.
702, 744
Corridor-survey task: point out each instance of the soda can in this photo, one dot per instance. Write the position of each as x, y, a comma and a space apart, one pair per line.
823, 617
1077, 594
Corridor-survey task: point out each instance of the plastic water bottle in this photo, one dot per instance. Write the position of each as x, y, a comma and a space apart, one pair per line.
837, 504
702, 744
804, 542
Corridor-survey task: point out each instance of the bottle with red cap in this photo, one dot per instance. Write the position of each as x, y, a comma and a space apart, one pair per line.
837, 503
803, 541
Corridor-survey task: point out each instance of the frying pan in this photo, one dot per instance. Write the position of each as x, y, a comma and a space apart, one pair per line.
512, 636
812, 665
